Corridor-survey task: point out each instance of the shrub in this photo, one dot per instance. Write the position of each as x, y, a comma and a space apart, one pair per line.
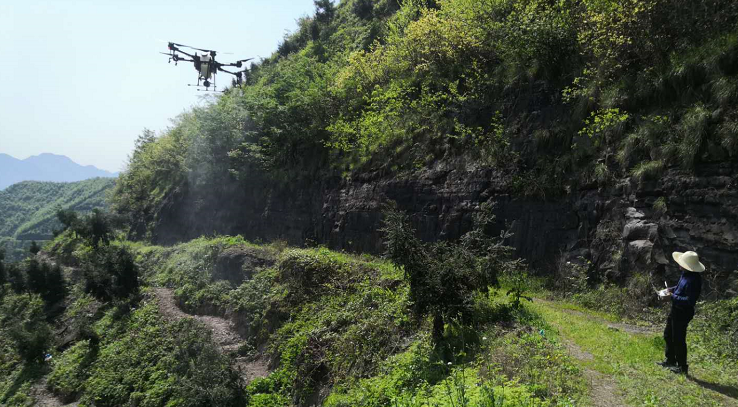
443, 276
647, 170
23, 320
96, 227
34, 248
110, 273
155, 363
3, 277
16, 278
46, 280
70, 369
717, 328
693, 131
659, 205
305, 273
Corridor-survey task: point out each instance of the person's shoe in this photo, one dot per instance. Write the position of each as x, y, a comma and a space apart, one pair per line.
680, 370
666, 364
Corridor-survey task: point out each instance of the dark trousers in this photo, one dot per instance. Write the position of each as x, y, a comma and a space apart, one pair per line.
675, 335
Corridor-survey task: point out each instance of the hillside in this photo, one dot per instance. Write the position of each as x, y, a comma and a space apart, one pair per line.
422, 203
603, 131
45, 167
224, 322
28, 209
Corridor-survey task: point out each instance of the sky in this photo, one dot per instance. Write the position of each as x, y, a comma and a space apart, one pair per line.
83, 78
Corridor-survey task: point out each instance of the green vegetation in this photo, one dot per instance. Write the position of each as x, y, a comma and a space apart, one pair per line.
339, 328
156, 363
443, 277
28, 210
555, 94
331, 323
629, 357
341, 325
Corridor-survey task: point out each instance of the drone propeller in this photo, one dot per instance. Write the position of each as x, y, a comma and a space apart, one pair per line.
188, 46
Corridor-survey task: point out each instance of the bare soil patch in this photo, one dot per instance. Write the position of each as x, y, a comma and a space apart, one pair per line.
42, 397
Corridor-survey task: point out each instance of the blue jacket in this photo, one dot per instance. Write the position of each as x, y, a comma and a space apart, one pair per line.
686, 293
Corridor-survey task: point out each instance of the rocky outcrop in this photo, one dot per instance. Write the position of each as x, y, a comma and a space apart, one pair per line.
621, 230
239, 263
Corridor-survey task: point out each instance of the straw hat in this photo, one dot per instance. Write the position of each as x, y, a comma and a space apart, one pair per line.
689, 261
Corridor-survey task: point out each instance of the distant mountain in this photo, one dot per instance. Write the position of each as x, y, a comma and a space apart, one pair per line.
46, 167
28, 209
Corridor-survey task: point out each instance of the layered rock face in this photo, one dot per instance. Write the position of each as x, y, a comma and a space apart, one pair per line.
621, 230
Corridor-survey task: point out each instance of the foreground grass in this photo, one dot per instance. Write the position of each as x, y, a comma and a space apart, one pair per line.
339, 327
630, 358
339, 331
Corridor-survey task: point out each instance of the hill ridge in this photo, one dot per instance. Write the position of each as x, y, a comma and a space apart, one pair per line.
47, 167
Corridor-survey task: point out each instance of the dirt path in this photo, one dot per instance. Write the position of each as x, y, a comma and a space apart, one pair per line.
224, 335
603, 389
42, 397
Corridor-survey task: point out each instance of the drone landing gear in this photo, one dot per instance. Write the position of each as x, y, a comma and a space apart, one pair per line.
207, 89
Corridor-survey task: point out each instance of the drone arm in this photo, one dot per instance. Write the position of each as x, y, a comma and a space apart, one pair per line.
238, 64
232, 73
175, 49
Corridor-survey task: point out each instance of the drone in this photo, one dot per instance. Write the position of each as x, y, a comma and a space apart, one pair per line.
205, 65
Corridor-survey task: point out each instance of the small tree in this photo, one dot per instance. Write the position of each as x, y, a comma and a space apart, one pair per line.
324, 11
46, 280
68, 218
16, 278
3, 278
55, 285
443, 276
35, 276
110, 273
100, 228
34, 248
96, 227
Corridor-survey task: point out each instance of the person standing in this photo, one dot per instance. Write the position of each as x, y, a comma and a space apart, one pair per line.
684, 296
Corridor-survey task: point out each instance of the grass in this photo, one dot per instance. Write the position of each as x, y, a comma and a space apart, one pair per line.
340, 325
647, 170
630, 358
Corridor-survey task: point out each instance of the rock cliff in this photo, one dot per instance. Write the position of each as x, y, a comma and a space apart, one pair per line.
622, 229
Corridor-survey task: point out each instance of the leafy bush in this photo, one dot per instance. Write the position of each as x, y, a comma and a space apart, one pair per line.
16, 277
70, 369
716, 326
344, 328
306, 275
192, 268
155, 363
444, 276
46, 280
110, 273
23, 321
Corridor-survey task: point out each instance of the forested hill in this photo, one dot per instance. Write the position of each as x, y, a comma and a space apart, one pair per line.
28, 209
575, 118
45, 167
